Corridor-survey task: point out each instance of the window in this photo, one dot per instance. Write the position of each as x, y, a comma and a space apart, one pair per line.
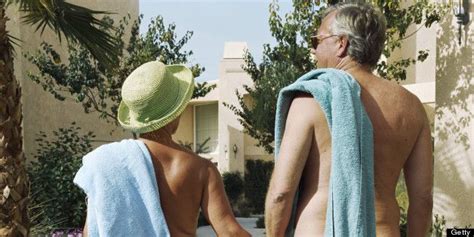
206, 128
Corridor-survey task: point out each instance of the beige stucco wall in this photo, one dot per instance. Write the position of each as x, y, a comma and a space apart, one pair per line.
454, 124
185, 132
41, 112
253, 152
231, 78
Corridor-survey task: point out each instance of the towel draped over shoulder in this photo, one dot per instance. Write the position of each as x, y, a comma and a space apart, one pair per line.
122, 193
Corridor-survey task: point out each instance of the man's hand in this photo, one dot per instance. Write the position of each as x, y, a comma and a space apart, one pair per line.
294, 150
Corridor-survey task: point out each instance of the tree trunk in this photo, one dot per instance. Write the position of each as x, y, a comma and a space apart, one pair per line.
14, 186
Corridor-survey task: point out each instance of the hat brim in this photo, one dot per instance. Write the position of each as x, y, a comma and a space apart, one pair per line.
185, 80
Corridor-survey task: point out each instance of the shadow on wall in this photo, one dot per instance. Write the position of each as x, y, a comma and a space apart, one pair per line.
453, 185
454, 169
454, 84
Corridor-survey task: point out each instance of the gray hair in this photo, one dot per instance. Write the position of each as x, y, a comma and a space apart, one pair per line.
365, 29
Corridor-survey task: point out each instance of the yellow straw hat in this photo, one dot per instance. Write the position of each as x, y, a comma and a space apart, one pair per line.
154, 95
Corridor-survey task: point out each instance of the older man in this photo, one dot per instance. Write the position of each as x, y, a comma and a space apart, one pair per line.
351, 38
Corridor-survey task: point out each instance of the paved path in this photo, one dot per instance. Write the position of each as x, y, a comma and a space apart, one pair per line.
247, 223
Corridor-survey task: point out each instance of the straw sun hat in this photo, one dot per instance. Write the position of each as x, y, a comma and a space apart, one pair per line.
154, 95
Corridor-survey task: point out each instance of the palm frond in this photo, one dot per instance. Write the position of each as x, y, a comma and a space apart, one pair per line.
12, 40
76, 23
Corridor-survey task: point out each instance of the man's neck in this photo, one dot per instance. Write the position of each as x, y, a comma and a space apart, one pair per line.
352, 67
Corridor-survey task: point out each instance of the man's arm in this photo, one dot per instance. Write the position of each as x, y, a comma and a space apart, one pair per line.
418, 171
294, 150
216, 207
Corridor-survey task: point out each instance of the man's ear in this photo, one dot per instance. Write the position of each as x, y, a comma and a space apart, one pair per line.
343, 46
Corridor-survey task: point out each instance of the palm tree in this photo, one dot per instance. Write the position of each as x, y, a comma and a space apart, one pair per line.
76, 24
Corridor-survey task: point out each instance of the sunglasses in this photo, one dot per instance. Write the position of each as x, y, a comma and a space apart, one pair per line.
317, 39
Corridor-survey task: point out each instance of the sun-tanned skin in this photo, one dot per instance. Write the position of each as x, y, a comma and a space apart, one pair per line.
187, 183
402, 141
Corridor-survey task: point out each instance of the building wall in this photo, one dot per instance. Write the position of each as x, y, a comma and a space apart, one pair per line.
41, 112
185, 132
454, 123
253, 152
231, 136
229, 80
234, 146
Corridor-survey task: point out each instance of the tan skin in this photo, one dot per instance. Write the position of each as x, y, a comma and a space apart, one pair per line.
187, 183
402, 141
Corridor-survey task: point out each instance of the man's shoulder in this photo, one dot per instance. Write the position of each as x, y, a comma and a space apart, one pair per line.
392, 90
305, 104
401, 103
307, 108
407, 98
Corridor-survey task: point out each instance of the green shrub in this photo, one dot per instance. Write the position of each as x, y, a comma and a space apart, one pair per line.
438, 227
257, 179
260, 224
233, 185
242, 208
52, 173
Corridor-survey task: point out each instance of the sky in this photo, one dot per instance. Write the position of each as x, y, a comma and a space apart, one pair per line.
213, 23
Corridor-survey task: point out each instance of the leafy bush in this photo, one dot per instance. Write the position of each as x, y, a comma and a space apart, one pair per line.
233, 185
57, 161
260, 224
243, 207
438, 227
234, 188
257, 179
98, 88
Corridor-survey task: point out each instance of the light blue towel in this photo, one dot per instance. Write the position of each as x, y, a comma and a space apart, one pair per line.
350, 210
122, 192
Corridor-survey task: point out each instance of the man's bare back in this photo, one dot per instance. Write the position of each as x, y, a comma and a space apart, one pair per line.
351, 38
398, 118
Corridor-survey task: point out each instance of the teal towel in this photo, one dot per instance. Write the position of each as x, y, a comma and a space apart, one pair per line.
122, 192
350, 209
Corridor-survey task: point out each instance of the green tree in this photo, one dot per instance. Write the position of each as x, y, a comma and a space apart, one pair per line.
85, 80
77, 24
290, 58
58, 159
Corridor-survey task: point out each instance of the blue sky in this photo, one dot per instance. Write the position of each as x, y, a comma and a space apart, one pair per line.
213, 23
